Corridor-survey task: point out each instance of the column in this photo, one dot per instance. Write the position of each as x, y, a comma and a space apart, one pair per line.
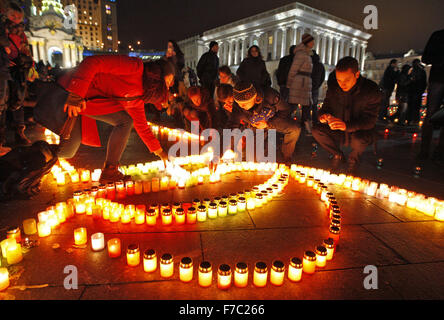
35, 52
244, 48
324, 49
330, 49
226, 51
42, 54
301, 33
357, 53
66, 56
264, 45
284, 42
274, 54
353, 51
294, 28
336, 50
341, 49
73, 55
363, 47
251, 41
80, 53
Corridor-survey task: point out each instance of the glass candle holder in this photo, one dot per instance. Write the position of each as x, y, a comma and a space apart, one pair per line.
98, 241
232, 207
175, 206
164, 183
329, 244
241, 204
14, 253
149, 260
222, 209
138, 187
101, 193
334, 233
85, 176
277, 273
44, 229
80, 236
205, 274
133, 255
146, 186
125, 216
167, 217
155, 184
259, 200
206, 202
120, 190
166, 266
110, 191
321, 256
335, 222
14, 233
139, 218
151, 217
260, 275
201, 213
191, 215
309, 262
114, 248
155, 206
217, 200
241, 275
30, 226
295, 269
334, 210
196, 203
186, 269
180, 216
4, 278
212, 210
224, 277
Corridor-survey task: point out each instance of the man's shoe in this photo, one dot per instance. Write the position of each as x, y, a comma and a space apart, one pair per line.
112, 174
20, 137
4, 150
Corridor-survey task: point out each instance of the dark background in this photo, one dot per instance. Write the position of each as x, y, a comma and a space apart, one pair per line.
403, 24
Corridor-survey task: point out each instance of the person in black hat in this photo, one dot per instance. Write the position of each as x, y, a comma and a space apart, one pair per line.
208, 66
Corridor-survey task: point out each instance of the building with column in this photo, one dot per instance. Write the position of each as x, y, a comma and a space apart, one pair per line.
51, 42
274, 31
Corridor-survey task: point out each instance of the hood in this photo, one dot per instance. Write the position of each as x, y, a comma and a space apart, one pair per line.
300, 47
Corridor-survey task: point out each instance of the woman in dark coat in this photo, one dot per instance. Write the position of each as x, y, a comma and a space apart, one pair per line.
402, 91
252, 69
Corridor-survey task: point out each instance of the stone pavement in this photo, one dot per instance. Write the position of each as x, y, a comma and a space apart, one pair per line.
406, 246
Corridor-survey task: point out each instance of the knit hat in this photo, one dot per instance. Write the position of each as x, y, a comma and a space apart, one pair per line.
212, 44
244, 91
306, 38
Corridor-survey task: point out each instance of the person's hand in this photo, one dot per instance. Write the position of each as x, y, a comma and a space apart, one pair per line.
228, 107
410, 71
162, 155
73, 111
260, 125
324, 118
7, 50
337, 125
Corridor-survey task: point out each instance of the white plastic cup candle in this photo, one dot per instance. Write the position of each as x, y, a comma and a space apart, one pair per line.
309, 262
86, 176
186, 269
4, 278
321, 256
30, 226
259, 200
205, 274
166, 266
251, 203
4, 245
80, 236
114, 248
232, 206
98, 241
44, 229
149, 260
222, 209
224, 277
260, 275
14, 253
329, 244
334, 233
277, 273
212, 210
133, 255
167, 217
14, 233
151, 217
60, 178
191, 215
139, 218
241, 204
295, 269
180, 216
241, 275
164, 183
155, 184
201, 213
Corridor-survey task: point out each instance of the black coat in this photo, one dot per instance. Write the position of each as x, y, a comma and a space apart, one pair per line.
434, 55
318, 73
358, 108
418, 82
208, 67
283, 70
389, 79
402, 90
254, 70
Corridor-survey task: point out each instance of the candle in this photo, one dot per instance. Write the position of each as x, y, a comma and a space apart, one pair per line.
164, 183
61, 210
14, 233
200, 180
439, 214
232, 207
167, 217
133, 255
80, 206
224, 277
260, 274
155, 206
139, 217
14, 253
95, 176
329, 244
186, 269
60, 178
80, 236
201, 213
241, 275
85, 176
212, 210
241, 204
120, 189
191, 215
295, 269
259, 200
180, 216
222, 209
4, 279
129, 188
277, 273
138, 187
196, 203
149, 260
151, 217
334, 233
251, 203
321, 256
181, 183
44, 229
114, 248
98, 241
309, 262
146, 186
30, 226
110, 191
75, 177
4, 245
166, 266
125, 216
205, 274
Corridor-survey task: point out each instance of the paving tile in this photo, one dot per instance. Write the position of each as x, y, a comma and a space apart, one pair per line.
361, 211
402, 213
48, 293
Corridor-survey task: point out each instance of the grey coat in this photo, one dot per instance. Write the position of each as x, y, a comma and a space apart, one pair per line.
300, 84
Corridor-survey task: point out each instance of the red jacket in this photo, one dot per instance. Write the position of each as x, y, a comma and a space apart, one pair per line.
110, 76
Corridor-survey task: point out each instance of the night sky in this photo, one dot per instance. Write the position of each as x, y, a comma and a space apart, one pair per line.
403, 24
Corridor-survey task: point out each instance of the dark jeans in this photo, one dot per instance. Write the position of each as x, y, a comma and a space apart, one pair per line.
434, 100
314, 106
117, 140
291, 130
414, 105
284, 92
332, 140
385, 103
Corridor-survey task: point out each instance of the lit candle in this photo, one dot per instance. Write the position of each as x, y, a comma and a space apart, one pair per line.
164, 183
138, 187
186, 269
321, 256
86, 176
14, 233
114, 248
14, 253
200, 180
181, 183
80, 236
439, 213
212, 210
260, 274
110, 191
166, 266
146, 186
60, 178
155, 206
4, 279
259, 200
334, 233
295, 269
149, 260
98, 241
180, 216
251, 203
277, 273
44, 229
139, 218
224, 277
30, 226
75, 177
222, 209
191, 215
309, 262
125, 216
80, 206
120, 189
241, 275
133, 255
61, 210
232, 207
129, 185
329, 244
205, 274
241, 204
167, 217
151, 217
95, 176
4, 245
201, 213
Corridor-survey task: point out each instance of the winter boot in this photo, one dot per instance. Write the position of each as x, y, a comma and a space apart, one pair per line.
112, 174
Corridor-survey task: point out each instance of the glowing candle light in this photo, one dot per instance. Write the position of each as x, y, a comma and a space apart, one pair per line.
201, 213
125, 216
205, 274
186, 269
181, 183
277, 273
98, 241
151, 217
334, 233
80, 206
114, 248
149, 260
86, 176
138, 187
259, 200
75, 177
329, 244
260, 275
295, 269
14, 253
167, 217
200, 180
321, 256
232, 207
30, 226
191, 215
212, 210
224, 277
164, 183
133, 255
4, 279
155, 185
222, 209
139, 217
121, 190
309, 262
14, 233
166, 266
80, 236
251, 203
241, 275
44, 229
60, 178
4, 245
196, 203
95, 176
241, 204
110, 191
